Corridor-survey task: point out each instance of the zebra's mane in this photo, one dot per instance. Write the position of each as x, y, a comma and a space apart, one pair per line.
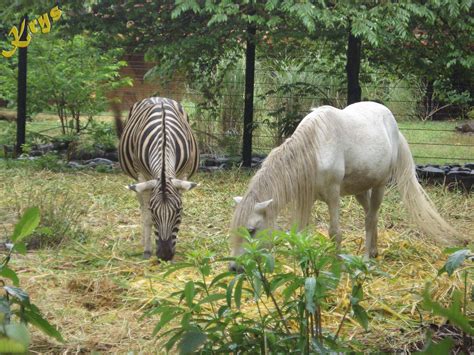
163, 157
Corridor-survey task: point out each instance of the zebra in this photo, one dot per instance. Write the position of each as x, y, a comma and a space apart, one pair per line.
157, 148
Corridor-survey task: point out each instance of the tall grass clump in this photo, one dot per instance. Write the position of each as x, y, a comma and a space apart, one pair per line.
218, 114
396, 93
276, 305
61, 216
215, 105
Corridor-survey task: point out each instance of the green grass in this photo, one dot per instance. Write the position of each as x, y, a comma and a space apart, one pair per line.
97, 288
438, 142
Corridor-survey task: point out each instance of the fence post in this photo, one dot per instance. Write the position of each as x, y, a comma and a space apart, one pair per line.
354, 91
21, 94
249, 88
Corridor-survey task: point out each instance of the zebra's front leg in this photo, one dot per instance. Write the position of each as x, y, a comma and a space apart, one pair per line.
147, 223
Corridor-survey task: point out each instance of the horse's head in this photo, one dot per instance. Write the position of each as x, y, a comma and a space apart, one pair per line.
251, 215
166, 208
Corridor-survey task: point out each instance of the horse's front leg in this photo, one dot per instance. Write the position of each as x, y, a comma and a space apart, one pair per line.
144, 199
333, 201
371, 220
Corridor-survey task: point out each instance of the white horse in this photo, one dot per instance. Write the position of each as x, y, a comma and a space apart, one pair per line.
333, 153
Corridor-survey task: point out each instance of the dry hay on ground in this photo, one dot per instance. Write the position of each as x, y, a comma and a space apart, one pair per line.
96, 291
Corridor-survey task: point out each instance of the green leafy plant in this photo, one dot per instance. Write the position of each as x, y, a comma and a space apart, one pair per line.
459, 261
102, 135
49, 161
270, 306
16, 309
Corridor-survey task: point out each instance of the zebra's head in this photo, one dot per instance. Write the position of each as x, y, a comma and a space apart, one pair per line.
165, 207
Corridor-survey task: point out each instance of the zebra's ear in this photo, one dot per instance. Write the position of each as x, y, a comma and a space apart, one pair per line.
238, 199
142, 186
183, 185
262, 206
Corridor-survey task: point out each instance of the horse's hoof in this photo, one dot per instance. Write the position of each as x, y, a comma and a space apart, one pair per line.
374, 254
147, 255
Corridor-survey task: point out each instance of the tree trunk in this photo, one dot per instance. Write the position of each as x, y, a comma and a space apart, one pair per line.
21, 93
354, 91
428, 99
78, 123
249, 88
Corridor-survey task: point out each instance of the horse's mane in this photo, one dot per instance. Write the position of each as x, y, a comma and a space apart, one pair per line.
287, 173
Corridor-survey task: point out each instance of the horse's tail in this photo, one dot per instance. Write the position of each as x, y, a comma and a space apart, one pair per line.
417, 202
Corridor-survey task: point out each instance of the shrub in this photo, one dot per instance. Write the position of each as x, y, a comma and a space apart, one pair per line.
289, 301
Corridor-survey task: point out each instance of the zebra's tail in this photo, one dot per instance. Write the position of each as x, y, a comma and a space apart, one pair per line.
118, 118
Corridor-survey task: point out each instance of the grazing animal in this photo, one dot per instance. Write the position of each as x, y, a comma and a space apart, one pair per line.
157, 148
332, 153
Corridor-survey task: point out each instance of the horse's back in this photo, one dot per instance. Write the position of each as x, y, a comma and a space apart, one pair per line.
361, 148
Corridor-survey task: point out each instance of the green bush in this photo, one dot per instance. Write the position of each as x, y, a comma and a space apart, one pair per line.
209, 314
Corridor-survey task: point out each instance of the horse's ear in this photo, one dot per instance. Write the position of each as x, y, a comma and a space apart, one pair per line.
183, 185
262, 206
142, 186
238, 199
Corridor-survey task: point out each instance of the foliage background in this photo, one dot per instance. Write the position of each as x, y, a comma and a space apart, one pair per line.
415, 58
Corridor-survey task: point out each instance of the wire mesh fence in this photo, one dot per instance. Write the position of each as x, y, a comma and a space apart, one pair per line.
283, 97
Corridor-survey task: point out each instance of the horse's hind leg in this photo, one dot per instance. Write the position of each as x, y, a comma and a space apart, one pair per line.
364, 200
371, 218
333, 201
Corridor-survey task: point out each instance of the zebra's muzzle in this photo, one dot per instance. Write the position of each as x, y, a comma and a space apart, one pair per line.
165, 249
